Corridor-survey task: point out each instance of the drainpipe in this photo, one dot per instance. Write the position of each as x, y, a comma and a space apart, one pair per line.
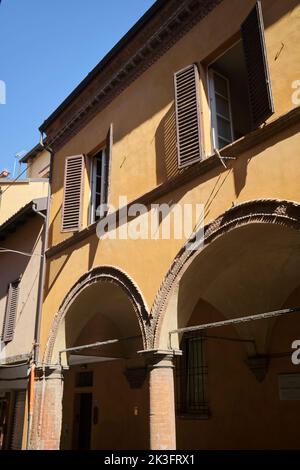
37, 330
30, 403
41, 284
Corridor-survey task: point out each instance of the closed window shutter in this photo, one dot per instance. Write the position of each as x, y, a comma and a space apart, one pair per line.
187, 106
11, 312
259, 85
73, 194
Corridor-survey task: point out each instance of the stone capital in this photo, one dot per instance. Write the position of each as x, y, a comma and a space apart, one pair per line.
50, 372
160, 358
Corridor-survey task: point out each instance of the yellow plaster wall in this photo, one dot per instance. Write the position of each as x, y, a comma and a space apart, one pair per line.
17, 195
37, 165
144, 151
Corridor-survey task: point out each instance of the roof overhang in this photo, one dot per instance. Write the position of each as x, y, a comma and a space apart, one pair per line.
32, 153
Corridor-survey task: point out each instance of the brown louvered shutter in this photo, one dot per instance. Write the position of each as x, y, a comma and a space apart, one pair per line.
73, 194
259, 85
11, 312
187, 106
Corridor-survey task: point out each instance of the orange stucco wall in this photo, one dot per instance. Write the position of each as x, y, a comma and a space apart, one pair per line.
143, 156
122, 411
144, 151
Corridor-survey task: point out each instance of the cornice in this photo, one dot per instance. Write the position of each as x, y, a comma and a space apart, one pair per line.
162, 31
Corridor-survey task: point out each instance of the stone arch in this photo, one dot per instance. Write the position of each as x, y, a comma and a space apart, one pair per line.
266, 211
103, 274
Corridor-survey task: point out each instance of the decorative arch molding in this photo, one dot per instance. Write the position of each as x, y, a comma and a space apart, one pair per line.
266, 211
105, 274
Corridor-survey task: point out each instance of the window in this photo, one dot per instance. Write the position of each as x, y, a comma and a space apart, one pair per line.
11, 311
73, 194
240, 93
191, 376
84, 379
228, 93
222, 126
99, 184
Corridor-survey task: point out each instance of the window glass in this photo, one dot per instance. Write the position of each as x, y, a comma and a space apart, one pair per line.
222, 106
224, 129
220, 85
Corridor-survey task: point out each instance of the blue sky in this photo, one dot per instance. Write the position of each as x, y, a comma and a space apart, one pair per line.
47, 48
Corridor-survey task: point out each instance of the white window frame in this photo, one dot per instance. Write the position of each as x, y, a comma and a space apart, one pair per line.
93, 171
213, 108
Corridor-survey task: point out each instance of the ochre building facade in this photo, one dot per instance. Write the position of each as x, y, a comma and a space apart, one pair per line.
197, 104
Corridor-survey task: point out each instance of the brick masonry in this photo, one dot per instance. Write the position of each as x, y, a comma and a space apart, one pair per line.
162, 406
46, 427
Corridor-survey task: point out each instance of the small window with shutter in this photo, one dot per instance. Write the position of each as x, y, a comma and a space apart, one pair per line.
11, 311
187, 107
239, 84
73, 194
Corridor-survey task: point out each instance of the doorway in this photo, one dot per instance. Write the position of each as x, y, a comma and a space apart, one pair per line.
82, 421
4, 404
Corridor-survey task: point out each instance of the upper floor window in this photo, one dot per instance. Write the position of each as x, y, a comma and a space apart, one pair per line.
99, 184
11, 311
239, 91
76, 212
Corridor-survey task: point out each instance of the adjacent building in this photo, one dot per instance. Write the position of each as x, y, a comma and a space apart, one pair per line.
195, 105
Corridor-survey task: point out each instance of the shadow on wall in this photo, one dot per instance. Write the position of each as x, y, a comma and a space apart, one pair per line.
240, 166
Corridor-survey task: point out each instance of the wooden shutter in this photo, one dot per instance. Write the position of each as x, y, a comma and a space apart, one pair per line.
259, 85
11, 312
107, 163
73, 194
187, 106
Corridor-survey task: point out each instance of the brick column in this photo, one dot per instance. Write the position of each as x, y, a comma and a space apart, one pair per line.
47, 416
161, 399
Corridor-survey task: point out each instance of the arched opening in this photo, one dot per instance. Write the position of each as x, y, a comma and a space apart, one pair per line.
105, 397
236, 385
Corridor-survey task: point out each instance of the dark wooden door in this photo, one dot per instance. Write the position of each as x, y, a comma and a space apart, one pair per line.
4, 407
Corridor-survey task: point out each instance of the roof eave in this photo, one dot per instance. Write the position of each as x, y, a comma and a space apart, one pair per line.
30, 209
